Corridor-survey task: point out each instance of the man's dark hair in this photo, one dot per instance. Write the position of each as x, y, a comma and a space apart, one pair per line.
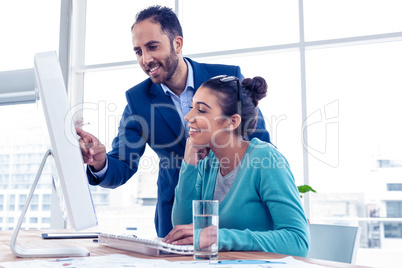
165, 17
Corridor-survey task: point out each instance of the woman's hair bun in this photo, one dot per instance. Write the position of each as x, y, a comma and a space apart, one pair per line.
257, 86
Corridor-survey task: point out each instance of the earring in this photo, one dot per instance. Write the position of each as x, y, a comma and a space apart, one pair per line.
228, 128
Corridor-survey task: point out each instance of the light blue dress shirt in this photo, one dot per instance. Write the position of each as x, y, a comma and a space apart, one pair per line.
183, 102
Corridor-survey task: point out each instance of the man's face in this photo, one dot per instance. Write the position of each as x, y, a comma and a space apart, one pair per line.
154, 51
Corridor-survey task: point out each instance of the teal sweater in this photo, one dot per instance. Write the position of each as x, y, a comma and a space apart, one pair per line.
262, 210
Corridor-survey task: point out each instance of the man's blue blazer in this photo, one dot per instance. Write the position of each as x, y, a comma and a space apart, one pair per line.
150, 117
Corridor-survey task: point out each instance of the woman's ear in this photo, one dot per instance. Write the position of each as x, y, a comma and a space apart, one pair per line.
234, 122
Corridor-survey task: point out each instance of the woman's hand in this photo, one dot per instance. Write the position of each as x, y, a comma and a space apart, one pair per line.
183, 235
180, 235
208, 236
194, 153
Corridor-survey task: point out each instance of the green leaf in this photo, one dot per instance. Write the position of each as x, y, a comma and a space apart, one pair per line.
305, 188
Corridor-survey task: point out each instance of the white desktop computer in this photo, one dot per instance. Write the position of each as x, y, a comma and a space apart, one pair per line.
72, 179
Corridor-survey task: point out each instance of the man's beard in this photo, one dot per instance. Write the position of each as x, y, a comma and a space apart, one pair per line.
170, 64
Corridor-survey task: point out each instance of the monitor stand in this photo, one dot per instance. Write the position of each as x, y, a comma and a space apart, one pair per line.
41, 252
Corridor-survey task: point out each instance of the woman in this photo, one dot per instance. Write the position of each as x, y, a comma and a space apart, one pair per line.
260, 206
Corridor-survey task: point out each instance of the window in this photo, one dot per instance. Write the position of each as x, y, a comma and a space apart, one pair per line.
23, 140
46, 198
45, 220
333, 112
358, 18
394, 209
11, 202
394, 187
393, 230
338, 127
21, 201
46, 202
331, 109
11, 199
387, 163
22, 198
46, 207
118, 46
43, 36
35, 199
239, 26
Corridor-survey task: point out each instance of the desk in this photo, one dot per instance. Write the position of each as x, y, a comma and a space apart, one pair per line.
33, 239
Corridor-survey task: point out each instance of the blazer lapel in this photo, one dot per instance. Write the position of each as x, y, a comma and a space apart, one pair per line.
163, 105
200, 73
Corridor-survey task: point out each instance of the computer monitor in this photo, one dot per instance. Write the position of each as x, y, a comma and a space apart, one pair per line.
67, 156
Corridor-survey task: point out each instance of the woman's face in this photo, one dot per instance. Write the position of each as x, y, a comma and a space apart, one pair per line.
205, 120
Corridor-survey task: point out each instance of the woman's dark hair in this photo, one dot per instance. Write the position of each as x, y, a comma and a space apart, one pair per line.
165, 17
253, 90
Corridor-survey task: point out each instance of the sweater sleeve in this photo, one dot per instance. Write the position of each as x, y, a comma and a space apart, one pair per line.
186, 191
290, 234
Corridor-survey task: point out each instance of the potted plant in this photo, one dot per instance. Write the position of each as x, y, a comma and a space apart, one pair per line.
304, 189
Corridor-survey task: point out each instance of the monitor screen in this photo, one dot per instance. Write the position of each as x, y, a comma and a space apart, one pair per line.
73, 182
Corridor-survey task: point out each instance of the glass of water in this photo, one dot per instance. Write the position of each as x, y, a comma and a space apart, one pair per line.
205, 228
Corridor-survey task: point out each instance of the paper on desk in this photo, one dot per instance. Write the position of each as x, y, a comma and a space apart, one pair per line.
120, 260
265, 263
110, 261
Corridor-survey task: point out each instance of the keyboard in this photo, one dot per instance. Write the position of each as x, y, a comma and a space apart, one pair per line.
150, 247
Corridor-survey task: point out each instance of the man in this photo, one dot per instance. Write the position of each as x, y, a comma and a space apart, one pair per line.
155, 111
